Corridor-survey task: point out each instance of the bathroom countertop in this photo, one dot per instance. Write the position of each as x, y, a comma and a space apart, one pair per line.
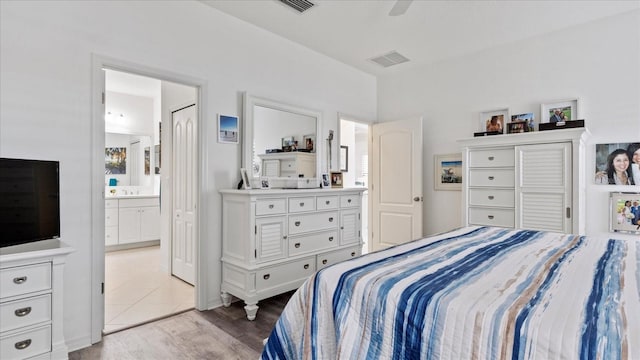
141, 196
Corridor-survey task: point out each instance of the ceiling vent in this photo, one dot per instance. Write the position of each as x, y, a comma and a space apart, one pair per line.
298, 5
390, 59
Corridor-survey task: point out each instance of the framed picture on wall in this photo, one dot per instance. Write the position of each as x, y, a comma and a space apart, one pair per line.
618, 164
493, 121
624, 212
228, 129
448, 172
115, 159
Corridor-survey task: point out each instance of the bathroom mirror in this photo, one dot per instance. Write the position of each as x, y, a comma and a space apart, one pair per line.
128, 160
276, 134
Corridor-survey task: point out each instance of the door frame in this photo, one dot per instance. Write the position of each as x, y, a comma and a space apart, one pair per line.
97, 97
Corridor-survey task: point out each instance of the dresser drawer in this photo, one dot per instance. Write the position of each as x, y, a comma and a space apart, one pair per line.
335, 257
281, 275
349, 201
300, 204
492, 158
313, 222
111, 204
26, 344
271, 206
312, 243
111, 217
25, 312
491, 217
492, 197
25, 279
492, 177
327, 202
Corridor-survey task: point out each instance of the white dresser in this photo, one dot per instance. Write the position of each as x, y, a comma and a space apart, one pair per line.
273, 240
31, 300
289, 164
527, 181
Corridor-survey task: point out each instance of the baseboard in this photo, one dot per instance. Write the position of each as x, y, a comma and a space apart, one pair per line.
78, 343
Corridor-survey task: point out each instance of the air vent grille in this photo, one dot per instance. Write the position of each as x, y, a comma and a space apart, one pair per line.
298, 5
389, 59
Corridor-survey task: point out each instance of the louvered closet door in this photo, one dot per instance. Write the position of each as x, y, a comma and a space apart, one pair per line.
543, 187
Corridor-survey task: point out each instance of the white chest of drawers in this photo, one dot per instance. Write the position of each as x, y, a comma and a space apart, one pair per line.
31, 300
273, 240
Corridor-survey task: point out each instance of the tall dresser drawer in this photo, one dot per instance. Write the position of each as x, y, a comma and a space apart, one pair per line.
312, 243
337, 256
271, 206
327, 202
25, 312
349, 201
25, 279
492, 158
492, 197
492, 177
276, 276
302, 204
313, 222
492, 217
26, 344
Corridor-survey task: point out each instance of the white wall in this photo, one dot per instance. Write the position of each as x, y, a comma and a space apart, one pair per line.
598, 62
45, 100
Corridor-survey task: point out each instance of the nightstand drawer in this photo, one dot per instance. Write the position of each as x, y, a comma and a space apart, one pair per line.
300, 204
327, 202
25, 312
26, 344
271, 206
25, 279
492, 177
313, 222
492, 217
492, 197
492, 158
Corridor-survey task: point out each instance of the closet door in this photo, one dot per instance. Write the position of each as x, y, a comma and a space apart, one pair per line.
543, 187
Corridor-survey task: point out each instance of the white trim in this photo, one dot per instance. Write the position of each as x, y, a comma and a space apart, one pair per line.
100, 62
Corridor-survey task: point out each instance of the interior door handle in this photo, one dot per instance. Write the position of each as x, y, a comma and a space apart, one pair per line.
417, 198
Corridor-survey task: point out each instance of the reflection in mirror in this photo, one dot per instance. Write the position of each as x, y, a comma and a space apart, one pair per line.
128, 160
280, 141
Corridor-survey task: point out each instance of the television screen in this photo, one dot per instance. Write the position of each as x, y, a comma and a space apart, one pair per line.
29, 201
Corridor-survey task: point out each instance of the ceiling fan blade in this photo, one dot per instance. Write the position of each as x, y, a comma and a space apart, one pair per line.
400, 7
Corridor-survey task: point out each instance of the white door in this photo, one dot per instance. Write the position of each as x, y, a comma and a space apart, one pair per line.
543, 187
396, 183
184, 193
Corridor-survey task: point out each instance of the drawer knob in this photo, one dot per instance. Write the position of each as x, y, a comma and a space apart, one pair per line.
20, 280
324, 262
490, 158
20, 345
349, 201
353, 253
270, 206
330, 238
490, 217
327, 202
266, 276
490, 197
23, 311
306, 266
331, 219
301, 204
491, 177
297, 245
341, 227
297, 223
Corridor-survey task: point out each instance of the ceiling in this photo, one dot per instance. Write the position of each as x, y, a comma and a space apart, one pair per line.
354, 31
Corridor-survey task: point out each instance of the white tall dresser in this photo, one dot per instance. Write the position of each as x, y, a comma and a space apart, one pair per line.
273, 240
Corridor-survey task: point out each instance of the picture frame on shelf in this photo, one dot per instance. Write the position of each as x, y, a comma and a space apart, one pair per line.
622, 216
245, 179
325, 181
448, 172
521, 123
228, 129
494, 121
559, 111
309, 142
344, 158
336, 179
264, 183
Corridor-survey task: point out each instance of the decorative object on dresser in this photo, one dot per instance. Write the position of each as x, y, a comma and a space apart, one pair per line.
336, 179
309, 142
326, 183
493, 121
228, 129
245, 179
624, 212
560, 114
535, 180
272, 241
31, 300
521, 123
448, 172
264, 183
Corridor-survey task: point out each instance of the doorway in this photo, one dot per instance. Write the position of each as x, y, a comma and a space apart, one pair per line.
138, 282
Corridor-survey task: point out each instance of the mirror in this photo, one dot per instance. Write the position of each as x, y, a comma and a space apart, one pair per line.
281, 141
128, 160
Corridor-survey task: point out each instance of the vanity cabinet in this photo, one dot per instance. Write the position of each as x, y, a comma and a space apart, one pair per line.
289, 164
31, 300
273, 240
132, 220
527, 181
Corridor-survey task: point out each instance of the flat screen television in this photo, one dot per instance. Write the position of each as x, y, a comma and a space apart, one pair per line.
29, 201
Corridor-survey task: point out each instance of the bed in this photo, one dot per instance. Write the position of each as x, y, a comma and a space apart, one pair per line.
472, 293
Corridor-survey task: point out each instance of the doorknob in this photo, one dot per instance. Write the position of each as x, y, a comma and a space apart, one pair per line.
417, 198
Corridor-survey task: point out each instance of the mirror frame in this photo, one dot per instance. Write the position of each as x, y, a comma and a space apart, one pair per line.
250, 101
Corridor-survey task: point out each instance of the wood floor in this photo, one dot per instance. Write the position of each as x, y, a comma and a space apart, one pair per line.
222, 333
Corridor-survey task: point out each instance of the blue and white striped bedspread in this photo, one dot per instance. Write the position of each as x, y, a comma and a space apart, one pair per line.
473, 293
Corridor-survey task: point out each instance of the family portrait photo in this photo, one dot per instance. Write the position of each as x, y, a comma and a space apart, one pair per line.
625, 212
618, 164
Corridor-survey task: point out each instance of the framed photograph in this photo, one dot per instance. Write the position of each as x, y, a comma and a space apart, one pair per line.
559, 111
448, 172
156, 159
344, 158
115, 161
264, 183
288, 143
309, 142
517, 127
527, 120
624, 212
228, 129
618, 164
245, 179
147, 160
493, 121
326, 183
336, 179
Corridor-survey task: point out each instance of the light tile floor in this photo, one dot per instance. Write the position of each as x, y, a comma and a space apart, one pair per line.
138, 291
